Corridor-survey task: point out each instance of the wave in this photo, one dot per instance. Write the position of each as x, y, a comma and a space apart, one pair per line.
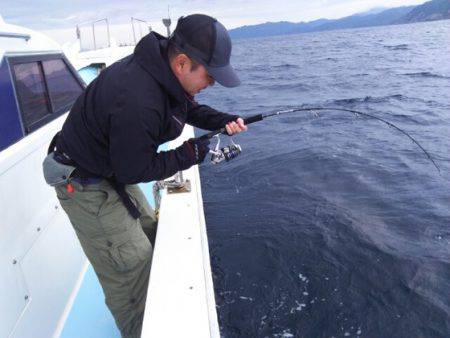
287, 86
360, 74
402, 46
285, 66
327, 59
427, 74
370, 99
265, 68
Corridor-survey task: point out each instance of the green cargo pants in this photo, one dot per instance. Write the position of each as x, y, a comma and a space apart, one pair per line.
116, 244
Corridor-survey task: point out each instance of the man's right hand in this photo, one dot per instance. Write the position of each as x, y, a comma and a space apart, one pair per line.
198, 148
235, 127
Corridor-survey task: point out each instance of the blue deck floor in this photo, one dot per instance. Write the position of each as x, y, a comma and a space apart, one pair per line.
89, 316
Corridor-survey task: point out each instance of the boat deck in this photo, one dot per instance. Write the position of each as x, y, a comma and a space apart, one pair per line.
180, 287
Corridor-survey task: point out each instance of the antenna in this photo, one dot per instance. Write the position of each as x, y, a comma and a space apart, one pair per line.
167, 22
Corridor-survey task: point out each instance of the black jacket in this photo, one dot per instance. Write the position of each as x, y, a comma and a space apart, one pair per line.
133, 106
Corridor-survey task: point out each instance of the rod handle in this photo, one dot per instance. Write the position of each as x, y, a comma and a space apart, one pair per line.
247, 120
253, 119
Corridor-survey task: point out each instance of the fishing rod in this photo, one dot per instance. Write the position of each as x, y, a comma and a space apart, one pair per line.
233, 150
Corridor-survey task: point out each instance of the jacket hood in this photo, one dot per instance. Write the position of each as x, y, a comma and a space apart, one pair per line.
150, 53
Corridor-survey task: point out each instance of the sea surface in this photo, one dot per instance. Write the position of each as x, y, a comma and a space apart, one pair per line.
335, 225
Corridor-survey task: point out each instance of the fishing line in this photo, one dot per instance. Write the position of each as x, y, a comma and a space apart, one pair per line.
233, 150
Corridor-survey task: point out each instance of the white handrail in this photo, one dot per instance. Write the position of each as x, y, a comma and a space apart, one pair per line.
26, 37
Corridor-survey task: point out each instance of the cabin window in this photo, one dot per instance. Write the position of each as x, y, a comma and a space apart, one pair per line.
90, 73
32, 94
62, 86
46, 88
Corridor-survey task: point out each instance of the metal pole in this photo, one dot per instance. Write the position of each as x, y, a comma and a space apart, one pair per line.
168, 19
167, 23
179, 177
109, 37
93, 34
134, 33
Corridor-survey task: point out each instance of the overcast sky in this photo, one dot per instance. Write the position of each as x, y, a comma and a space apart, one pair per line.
54, 16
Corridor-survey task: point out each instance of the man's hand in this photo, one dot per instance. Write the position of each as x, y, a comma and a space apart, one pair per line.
236, 127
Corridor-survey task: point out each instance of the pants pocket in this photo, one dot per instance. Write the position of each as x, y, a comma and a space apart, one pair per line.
90, 200
127, 255
61, 194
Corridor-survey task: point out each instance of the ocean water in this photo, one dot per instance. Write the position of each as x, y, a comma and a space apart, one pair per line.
334, 225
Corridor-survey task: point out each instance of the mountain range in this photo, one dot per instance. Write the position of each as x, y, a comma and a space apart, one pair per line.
429, 11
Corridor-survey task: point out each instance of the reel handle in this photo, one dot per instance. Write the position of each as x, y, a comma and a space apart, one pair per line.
247, 120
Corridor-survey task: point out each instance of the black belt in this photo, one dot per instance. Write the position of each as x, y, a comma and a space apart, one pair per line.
82, 174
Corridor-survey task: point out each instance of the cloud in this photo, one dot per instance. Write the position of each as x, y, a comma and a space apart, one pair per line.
53, 14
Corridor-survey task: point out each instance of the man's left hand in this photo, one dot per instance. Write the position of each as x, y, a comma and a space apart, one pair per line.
236, 127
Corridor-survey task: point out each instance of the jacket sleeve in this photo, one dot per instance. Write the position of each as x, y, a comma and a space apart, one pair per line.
133, 148
205, 117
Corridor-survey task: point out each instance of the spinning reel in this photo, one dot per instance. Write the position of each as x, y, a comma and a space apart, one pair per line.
226, 154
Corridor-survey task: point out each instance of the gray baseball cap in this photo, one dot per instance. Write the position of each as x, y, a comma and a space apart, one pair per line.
207, 41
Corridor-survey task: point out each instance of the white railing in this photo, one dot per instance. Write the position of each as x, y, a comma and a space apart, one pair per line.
139, 24
89, 37
96, 34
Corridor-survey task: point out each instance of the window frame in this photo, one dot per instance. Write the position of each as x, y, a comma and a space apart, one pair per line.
39, 59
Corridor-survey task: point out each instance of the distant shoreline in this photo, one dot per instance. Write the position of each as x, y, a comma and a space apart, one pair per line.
434, 10
337, 29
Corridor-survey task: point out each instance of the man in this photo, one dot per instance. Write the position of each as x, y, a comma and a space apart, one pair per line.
109, 143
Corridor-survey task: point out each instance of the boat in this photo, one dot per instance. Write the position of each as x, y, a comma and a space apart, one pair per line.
47, 286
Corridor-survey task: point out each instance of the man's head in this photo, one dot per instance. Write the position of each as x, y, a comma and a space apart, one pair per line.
199, 53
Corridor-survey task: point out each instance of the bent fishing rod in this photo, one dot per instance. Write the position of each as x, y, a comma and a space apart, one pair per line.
233, 150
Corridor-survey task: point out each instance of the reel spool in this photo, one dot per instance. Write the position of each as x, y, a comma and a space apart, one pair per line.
231, 151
